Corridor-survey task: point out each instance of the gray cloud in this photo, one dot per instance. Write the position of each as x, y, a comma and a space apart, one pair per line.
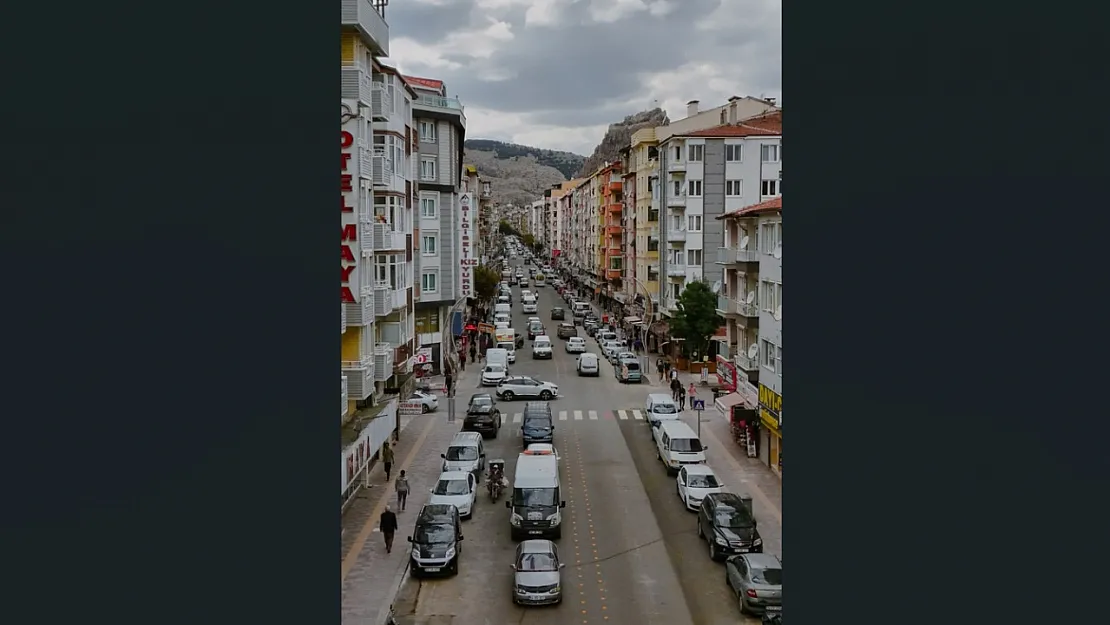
428, 23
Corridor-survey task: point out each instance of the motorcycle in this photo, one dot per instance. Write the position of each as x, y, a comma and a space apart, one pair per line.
496, 477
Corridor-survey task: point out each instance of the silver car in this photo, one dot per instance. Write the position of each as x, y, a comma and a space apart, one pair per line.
756, 578
537, 577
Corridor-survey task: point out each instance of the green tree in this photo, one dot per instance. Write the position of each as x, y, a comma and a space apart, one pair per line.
507, 228
485, 283
529, 240
696, 319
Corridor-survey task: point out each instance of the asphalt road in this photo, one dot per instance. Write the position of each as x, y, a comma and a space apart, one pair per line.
632, 553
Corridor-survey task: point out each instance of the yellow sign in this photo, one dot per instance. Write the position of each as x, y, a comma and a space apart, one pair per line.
770, 405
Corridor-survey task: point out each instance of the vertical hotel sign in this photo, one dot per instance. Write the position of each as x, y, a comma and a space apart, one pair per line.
468, 262
348, 239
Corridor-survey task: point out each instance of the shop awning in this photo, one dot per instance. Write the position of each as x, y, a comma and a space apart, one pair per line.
724, 403
633, 320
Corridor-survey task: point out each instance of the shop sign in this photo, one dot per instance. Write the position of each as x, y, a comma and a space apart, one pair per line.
726, 373
468, 261
348, 237
770, 405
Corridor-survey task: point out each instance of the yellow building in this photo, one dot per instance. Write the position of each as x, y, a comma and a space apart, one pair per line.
644, 161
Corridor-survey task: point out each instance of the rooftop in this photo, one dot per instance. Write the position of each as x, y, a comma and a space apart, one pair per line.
770, 206
762, 126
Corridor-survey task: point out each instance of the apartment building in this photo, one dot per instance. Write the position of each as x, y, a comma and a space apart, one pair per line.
629, 283
751, 303
484, 210
706, 174
534, 220
642, 178
446, 253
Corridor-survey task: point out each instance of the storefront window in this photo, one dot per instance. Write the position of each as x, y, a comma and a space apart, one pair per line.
427, 322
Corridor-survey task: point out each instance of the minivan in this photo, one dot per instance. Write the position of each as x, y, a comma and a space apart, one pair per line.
581, 308
465, 453
677, 444
535, 503
587, 365
660, 407
436, 541
628, 372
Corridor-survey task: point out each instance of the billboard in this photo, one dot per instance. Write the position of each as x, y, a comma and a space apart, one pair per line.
468, 261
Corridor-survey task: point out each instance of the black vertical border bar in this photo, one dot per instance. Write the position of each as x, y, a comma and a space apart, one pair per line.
947, 437
169, 231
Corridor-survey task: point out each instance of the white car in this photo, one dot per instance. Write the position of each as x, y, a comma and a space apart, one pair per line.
457, 488
542, 449
530, 307
428, 402
541, 347
576, 345
525, 387
610, 349
493, 374
695, 481
526, 293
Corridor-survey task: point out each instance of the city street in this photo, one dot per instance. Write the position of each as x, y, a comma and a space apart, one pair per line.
631, 548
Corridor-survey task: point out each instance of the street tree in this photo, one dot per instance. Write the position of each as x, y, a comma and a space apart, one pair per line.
696, 319
507, 228
485, 283
529, 240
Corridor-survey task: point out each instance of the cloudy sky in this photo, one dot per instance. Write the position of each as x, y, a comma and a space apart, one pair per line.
554, 73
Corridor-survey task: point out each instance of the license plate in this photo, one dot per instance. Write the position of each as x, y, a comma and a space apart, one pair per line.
433, 569
534, 532
774, 608
741, 549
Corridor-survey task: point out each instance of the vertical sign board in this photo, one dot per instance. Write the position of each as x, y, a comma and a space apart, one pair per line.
348, 200
457, 324
468, 261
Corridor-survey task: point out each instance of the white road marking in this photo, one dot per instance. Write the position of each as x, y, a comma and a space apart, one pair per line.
517, 417
562, 415
593, 415
636, 414
577, 415
623, 415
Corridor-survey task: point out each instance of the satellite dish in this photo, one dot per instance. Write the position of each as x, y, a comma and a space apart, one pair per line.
717, 287
750, 298
744, 242
778, 313
753, 349
778, 251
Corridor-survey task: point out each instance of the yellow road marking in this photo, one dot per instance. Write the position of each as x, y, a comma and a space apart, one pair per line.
368, 528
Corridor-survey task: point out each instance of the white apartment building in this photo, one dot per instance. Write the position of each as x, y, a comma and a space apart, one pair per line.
439, 129
534, 219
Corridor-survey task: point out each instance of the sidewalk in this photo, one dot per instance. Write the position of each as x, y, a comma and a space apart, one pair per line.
371, 577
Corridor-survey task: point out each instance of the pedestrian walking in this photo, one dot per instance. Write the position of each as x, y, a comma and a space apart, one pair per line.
675, 386
462, 360
401, 485
681, 398
387, 459
449, 384
388, 526
473, 352
693, 391
661, 367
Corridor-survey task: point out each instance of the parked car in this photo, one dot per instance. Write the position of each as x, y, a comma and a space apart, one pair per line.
482, 415
694, 482
622, 355
537, 578
558, 313
428, 402
576, 345
566, 330
726, 523
587, 365
457, 488
525, 387
610, 349
436, 541
627, 371
756, 578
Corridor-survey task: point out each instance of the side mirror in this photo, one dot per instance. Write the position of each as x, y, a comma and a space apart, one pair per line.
704, 447
461, 537
562, 504
431, 490
509, 505
562, 566
512, 566
444, 456
482, 455
410, 539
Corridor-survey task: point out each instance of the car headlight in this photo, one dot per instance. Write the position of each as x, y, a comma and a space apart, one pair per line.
515, 519
555, 518
555, 589
415, 552
450, 553
722, 541
757, 542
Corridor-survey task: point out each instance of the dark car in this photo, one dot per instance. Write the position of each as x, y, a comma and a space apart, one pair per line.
538, 425
566, 330
756, 578
558, 313
727, 524
591, 328
482, 415
436, 541
535, 329
519, 340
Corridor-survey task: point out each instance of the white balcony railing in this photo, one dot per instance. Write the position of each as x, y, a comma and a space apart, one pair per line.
360, 377
381, 102
383, 300
400, 299
676, 165
354, 84
676, 271
342, 318
383, 169
368, 18
343, 396
383, 361
677, 201
676, 235
388, 238
744, 363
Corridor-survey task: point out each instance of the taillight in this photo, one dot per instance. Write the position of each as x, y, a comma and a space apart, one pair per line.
751, 593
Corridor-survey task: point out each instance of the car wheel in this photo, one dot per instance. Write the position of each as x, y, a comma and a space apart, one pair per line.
701, 534
507, 396
424, 409
712, 551
545, 395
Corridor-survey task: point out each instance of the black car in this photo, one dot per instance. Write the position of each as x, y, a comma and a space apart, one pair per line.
519, 340
482, 415
436, 541
538, 425
535, 329
725, 521
558, 313
566, 330
591, 328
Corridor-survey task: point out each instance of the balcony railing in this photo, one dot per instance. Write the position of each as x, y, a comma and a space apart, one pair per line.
360, 377
676, 165
383, 169
383, 361
355, 84
676, 271
381, 102
368, 18
386, 238
676, 201
744, 363
440, 102
615, 207
366, 232
676, 235
342, 318
744, 309
361, 313
614, 230
731, 255
613, 273
383, 300
343, 396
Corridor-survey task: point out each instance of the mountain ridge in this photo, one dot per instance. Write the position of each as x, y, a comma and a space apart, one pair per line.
618, 136
566, 162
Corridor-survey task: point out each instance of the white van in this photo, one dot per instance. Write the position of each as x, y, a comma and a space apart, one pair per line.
465, 453
496, 356
660, 407
678, 445
503, 307
510, 348
581, 308
536, 498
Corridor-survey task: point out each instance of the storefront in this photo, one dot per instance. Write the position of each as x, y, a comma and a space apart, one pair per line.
429, 337
770, 415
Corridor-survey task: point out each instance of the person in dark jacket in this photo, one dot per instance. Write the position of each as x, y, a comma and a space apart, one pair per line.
676, 386
388, 526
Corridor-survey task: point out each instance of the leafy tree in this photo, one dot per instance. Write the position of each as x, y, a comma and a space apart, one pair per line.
507, 228
537, 248
529, 240
696, 319
485, 283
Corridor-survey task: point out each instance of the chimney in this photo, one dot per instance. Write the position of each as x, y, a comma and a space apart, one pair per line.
691, 108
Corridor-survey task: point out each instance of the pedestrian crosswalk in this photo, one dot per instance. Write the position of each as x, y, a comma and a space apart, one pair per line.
590, 415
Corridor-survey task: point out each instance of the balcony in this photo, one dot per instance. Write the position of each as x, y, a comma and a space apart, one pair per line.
732, 255
744, 363
388, 239
343, 396
444, 104
676, 271
355, 84
381, 102
676, 235
383, 361
368, 18
366, 233
342, 318
732, 307
613, 273
486, 191
361, 313
616, 207
400, 298
365, 160
676, 166
676, 201
383, 299
614, 230
383, 169
360, 377
614, 186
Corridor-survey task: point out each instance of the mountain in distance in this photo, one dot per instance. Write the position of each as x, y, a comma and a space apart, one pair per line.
618, 136
565, 162
515, 177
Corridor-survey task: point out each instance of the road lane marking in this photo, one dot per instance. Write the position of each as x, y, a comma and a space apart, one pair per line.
562, 415
623, 415
370, 526
636, 414
593, 415
517, 416
577, 415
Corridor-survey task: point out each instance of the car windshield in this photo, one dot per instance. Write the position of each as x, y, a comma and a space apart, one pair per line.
542, 343
556, 310
703, 481
431, 534
451, 487
771, 577
687, 445
664, 409
535, 326
534, 497
537, 423
495, 369
537, 562
727, 516
462, 453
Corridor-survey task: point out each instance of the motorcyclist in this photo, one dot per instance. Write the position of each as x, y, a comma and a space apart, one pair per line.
496, 477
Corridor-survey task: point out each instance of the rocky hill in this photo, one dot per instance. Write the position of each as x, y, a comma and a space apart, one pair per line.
518, 179
565, 162
618, 137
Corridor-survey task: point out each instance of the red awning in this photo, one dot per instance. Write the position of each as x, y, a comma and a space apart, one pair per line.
470, 327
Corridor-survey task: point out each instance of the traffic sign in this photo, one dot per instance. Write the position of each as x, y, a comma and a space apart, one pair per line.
697, 404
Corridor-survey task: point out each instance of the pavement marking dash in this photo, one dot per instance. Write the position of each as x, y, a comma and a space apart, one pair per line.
636, 414
517, 416
577, 415
562, 415
623, 415
593, 415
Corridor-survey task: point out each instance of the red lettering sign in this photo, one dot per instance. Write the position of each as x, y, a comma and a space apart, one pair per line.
344, 207
349, 233
347, 254
346, 139
345, 183
345, 273
346, 296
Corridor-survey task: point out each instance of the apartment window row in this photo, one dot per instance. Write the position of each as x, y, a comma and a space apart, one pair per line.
427, 132
429, 282
770, 236
770, 297
771, 356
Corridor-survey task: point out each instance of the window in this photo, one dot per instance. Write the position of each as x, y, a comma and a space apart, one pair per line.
694, 223
695, 188
771, 295
734, 188
427, 132
770, 236
695, 153
676, 290
677, 153
676, 222
428, 207
428, 282
427, 169
693, 257
677, 188
770, 154
767, 354
770, 187
676, 258
429, 244
653, 214
778, 361
734, 153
